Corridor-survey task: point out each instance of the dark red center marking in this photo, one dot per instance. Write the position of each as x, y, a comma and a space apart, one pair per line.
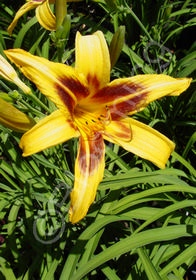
66, 98
93, 82
120, 110
115, 92
74, 85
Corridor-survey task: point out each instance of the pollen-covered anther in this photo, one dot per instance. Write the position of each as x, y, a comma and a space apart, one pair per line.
107, 118
89, 122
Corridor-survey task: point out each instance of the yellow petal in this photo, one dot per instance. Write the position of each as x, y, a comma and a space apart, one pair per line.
24, 9
93, 59
162, 85
145, 141
59, 82
89, 170
130, 95
8, 73
118, 129
45, 16
50, 131
13, 118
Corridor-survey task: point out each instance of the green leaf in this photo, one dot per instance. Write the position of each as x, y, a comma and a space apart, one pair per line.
179, 260
127, 244
23, 31
126, 201
150, 270
6, 270
109, 273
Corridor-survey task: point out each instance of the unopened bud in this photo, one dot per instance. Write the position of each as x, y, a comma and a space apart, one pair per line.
6, 97
116, 45
14, 119
8, 73
111, 4
167, 11
53, 36
63, 30
15, 95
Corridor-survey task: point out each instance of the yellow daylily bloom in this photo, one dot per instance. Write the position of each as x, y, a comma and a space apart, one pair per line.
93, 108
8, 73
44, 15
13, 118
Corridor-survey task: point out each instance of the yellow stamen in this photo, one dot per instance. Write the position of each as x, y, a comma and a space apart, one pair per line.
89, 122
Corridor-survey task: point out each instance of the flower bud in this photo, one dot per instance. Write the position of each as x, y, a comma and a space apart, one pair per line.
111, 4
116, 45
15, 95
13, 118
6, 97
8, 73
167, 11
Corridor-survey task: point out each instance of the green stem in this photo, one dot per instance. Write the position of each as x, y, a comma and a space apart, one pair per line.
36, 99
60, 51
32, 110
5, 86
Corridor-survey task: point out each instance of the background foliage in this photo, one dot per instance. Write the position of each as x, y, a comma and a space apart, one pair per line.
143, 222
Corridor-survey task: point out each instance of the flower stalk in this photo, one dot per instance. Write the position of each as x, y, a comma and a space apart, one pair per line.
60, 12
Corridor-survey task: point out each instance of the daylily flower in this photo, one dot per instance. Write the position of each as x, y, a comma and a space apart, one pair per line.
8, 73
93, 108
14, 119
43, 13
